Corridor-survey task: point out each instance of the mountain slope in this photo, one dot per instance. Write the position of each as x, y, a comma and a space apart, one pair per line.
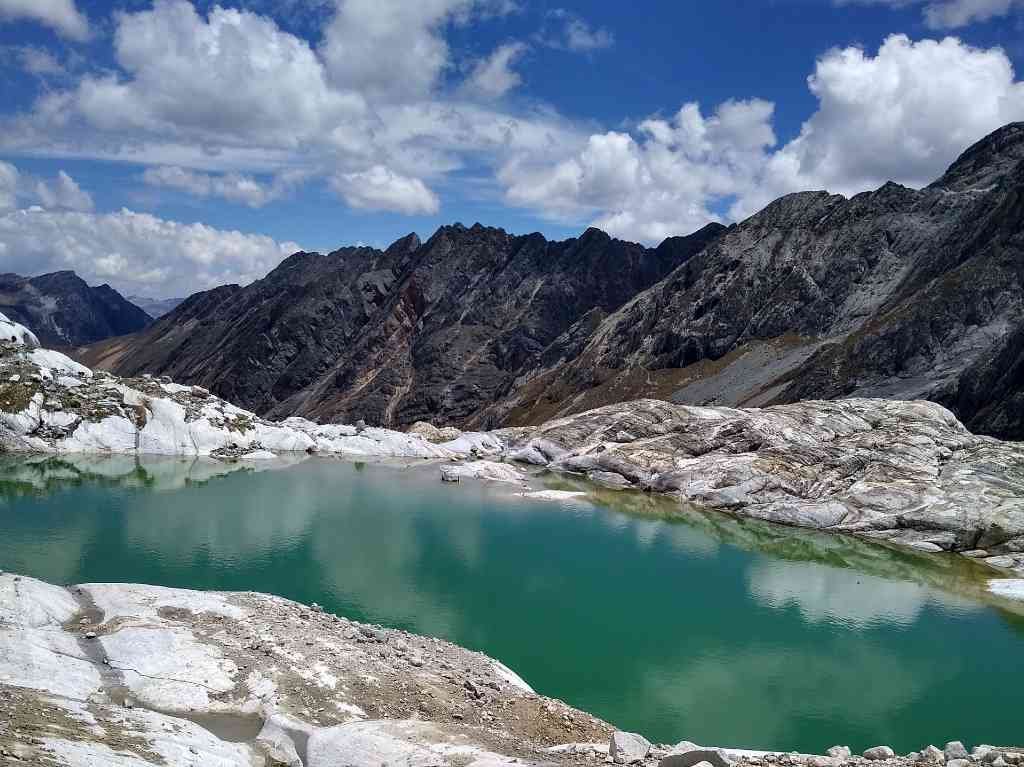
898, 293
63, 310
422, 330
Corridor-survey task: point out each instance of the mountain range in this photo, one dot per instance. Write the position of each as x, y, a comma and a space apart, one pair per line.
62, 310
898, 292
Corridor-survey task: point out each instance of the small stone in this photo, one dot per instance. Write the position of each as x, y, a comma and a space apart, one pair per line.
628, 748
90, 634
955, 750
415, 660
878, 753
840, 752
199, 392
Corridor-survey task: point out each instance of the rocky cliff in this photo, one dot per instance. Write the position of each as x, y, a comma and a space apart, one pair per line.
439, 329
62, 310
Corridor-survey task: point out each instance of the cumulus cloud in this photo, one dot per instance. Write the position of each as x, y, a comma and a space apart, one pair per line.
380, 188
63, 193
61, 15
268, 103
656, 184
903, 114
493, 77
234, 187
137, 252
394, 50
950, 14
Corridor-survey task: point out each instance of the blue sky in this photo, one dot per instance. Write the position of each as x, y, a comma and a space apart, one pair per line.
166, 146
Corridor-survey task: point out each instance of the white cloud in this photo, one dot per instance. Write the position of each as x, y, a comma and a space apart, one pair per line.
493, 77
234, 187
656, 184
949, 14
137, 252
60, 15
394, 50
266, 104
9, 177
231, 79
574, 33
380, 188
37, 61
63, 193
903, 114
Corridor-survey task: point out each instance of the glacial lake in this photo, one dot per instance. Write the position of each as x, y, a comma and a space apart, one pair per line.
676, 623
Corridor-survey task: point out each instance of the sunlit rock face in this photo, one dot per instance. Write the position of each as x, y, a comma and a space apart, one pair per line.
908, 473
121, 674
52, 404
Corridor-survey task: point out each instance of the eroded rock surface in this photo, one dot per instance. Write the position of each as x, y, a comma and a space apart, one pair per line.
116, 674
904, 472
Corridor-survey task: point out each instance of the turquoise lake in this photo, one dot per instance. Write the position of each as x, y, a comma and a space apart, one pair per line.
676, 623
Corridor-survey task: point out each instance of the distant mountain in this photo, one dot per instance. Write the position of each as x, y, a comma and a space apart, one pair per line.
62, 310
898, 293
155, 307
437, 330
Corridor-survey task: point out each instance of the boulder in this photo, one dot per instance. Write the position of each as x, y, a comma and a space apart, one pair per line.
955, 750
932, 755
628, 748
878, 753
840, 752
715, 757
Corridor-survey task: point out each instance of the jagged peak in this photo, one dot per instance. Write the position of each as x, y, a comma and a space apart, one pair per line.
987, 161
406, 244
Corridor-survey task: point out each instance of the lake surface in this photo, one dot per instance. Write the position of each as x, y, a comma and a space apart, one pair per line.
670, 622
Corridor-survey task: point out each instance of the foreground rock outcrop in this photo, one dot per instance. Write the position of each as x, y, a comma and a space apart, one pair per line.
126, 675
123, 675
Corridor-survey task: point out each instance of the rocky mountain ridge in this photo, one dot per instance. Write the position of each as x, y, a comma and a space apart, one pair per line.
62, 310
900, 293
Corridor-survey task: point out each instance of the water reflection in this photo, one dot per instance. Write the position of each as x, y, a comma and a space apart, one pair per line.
674, 621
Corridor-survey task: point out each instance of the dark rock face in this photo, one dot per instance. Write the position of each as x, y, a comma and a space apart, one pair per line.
896, 293
62, 310
438, 330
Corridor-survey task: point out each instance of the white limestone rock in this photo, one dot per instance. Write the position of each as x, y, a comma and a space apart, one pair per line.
483, 470
16, 332
628, 747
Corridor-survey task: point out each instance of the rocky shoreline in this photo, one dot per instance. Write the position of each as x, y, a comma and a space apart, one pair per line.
907, 473
131, 675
